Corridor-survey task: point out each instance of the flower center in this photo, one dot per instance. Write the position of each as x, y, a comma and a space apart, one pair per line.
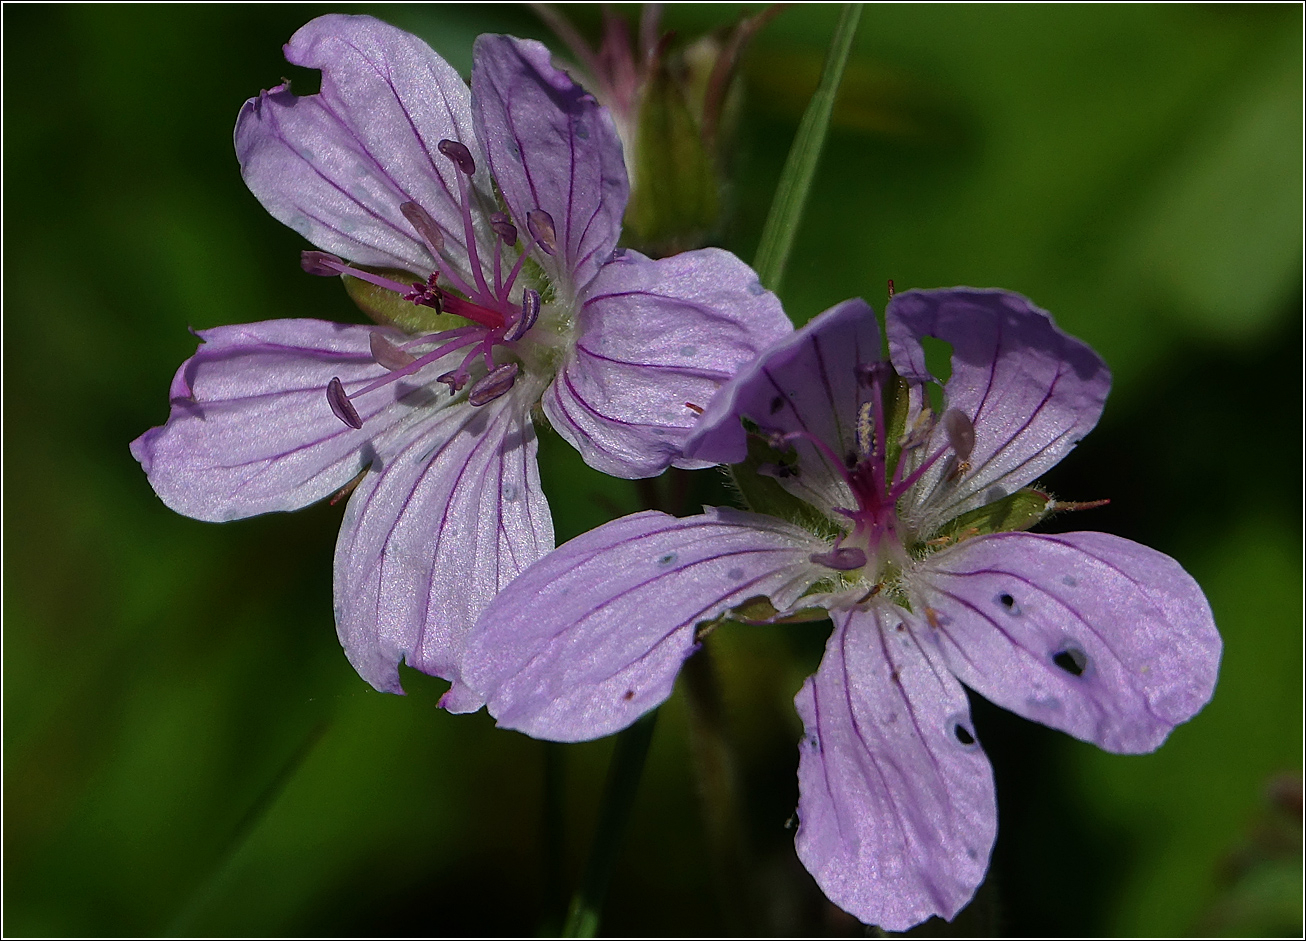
496, 320
875, 543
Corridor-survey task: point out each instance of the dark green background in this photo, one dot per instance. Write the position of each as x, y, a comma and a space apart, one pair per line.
186, 749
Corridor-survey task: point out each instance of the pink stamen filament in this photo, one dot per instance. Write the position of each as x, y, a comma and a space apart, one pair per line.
470, 233
902, 466
879, 450
527, 245
450, 274
415, 365
919, 472
441, 336
379, 280
498, 270
824, 448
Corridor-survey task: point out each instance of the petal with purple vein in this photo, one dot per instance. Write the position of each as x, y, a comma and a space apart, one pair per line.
593, 635
896, 807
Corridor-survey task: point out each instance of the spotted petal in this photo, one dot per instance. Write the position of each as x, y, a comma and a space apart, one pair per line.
1089, 633
428, 540
654, 336
553, 148
1030, 390
895, 797
336, 166
250, 429
591, 637
807, 382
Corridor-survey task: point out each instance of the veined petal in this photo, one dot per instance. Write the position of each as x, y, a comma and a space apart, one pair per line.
553, 148
896, 808
654, 336
592, 636
251, 431
430, 538
336, 166
1089, 633
1030, 390
807, 382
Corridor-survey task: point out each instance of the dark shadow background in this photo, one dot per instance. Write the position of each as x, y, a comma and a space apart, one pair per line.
186, 750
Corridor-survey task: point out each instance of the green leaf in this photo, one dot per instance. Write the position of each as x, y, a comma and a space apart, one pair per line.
804, 154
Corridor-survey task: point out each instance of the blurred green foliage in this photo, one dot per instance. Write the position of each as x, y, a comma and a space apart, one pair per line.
186, 749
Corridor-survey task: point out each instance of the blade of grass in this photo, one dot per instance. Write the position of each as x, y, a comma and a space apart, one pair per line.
804, 154
183, 923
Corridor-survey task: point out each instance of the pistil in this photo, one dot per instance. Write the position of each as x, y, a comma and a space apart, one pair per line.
495, 320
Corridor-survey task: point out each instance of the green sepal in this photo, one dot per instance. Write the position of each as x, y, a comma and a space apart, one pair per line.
675, 198
897, 400
764, 494
391, 310
759, 610
1014, 513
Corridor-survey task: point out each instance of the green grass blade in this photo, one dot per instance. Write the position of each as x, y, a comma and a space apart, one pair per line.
800, 167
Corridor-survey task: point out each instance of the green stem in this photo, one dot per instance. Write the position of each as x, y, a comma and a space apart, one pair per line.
800, 167
618, 797
718, 784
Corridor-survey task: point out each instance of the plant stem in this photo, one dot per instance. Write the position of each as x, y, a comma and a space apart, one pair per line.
618, 797
718, 786
800, 167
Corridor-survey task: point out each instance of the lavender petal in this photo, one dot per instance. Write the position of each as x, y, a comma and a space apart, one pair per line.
657, 337
428, 540
552, 147
336, 166
593, 635
251, 430
896, 805
1089, 633
809, 382
1030, 391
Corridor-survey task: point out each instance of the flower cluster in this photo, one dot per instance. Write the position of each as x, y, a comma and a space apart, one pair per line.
480, 229
905, 526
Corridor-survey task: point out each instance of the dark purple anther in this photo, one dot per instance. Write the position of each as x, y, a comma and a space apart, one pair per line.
961, 432
387, 354
421, 220
493, 384
459, 154
503, 228
540, 224
455, 379
530, 312
321, 264
845, 559
341, 405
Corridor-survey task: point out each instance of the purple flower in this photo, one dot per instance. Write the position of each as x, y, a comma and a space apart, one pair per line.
481, 228
904, 525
